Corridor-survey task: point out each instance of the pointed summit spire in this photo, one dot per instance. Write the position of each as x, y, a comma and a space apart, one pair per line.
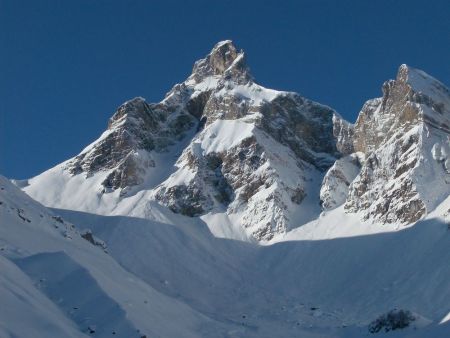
424, 88
223, 60
407, 73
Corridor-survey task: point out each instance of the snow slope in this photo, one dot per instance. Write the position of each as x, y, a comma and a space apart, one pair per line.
67, 286
220, 287
25, 311
296, 287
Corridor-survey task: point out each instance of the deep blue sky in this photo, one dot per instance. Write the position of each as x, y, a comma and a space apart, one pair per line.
66, 65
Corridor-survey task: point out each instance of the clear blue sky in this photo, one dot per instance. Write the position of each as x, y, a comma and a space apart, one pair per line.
66, 65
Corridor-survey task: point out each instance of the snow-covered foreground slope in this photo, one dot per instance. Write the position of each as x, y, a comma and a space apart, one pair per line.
54, 283
180, 280
25, 311
328, 288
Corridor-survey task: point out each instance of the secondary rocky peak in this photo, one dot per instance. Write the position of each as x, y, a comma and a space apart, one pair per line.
397, 133
417, 79
224, 59
420, 87
427, 89
412, 98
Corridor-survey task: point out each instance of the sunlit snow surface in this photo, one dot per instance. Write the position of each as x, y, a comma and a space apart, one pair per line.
180, 281
62, 285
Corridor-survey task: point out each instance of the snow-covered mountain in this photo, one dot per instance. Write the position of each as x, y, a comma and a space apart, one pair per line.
255, 163
218, 145
181, 194
405, 136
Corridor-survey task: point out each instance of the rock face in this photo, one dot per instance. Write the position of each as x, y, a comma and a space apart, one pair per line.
398, 133
343, 132
266, 161
135, 131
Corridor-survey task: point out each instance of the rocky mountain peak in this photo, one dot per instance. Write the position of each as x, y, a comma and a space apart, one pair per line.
419, 81
223, 60
138, 127
398, 133
220, 142
412, 98
418, 87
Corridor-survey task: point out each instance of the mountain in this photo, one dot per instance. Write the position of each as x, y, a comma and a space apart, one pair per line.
233, 210
405, 138
256, 163
218, 145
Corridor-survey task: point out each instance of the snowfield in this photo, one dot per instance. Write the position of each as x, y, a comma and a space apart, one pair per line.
208, 285
64, 286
